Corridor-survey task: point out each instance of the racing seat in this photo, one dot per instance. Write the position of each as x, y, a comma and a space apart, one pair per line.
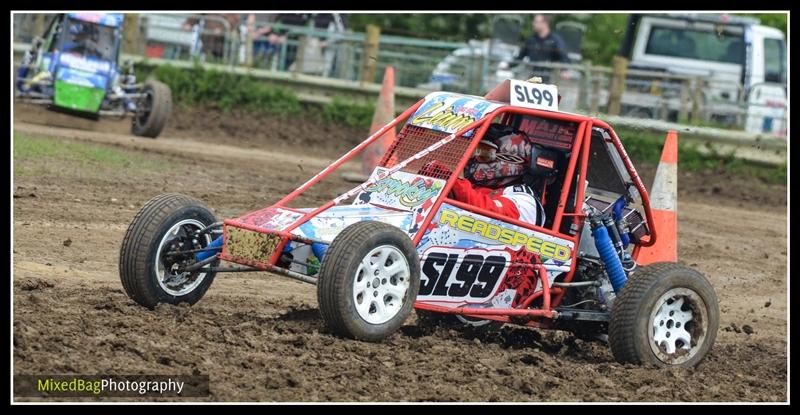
545, 169
544, 166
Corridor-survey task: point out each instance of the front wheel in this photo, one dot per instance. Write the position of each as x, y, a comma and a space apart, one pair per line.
666, 315
158, 246
368, 281
152, 109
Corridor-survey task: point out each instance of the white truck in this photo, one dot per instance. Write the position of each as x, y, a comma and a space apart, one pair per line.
743, 63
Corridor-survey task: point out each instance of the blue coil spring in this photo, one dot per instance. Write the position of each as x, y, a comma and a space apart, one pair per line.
609, 257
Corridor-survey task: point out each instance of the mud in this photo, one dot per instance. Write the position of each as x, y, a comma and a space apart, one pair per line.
259, 336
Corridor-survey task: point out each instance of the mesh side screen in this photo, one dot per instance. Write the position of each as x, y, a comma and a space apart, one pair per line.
411, 140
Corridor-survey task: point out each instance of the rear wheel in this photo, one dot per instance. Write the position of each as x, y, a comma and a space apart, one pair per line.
152, 109
667, 315
151, 261
368, 281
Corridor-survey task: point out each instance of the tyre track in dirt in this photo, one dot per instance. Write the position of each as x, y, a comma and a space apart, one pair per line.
259, 336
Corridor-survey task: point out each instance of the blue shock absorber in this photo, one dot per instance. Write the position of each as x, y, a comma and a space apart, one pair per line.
618, 205
216, 243
319, 250
608, 254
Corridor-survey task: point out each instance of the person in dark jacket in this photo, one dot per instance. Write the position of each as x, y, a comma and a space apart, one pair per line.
543, 45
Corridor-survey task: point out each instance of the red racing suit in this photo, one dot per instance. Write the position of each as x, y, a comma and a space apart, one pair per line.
518, 202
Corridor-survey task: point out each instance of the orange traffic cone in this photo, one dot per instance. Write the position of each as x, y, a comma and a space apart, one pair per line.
664, 203
384, 113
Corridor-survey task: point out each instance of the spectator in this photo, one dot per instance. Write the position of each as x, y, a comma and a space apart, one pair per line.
267, 41
334, 23
213, 31
543, 45
291, 19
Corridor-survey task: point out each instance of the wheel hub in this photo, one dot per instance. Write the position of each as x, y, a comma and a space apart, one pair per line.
168, 267
379, 299
678, 325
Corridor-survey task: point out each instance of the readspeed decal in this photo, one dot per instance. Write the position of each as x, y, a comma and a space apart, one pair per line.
505, 235
522, 249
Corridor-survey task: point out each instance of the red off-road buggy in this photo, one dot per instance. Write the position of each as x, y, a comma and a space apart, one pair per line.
398, 241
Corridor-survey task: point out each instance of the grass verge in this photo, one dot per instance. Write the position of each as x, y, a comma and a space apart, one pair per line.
88, 157
644, 146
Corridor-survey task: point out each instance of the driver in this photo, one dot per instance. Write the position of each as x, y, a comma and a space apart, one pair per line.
496, 177
82, 40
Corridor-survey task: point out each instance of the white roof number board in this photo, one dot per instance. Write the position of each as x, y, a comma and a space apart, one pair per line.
536, 96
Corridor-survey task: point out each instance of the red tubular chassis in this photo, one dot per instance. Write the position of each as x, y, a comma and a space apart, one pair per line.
399, 242
551, 296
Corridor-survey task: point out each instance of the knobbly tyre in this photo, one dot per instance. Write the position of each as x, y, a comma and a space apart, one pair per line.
74, 69
398, 241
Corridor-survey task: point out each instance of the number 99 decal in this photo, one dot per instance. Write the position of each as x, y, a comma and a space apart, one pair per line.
461, 274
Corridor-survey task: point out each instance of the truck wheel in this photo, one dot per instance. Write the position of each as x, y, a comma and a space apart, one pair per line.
368, 281
152, 109
667, 314
148, 269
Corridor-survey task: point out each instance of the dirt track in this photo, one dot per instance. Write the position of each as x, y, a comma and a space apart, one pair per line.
259, 336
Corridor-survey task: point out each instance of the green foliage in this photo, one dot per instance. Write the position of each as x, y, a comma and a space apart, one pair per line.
776, 20
645, 147
349, 114
225, 90
453, 27
602, 42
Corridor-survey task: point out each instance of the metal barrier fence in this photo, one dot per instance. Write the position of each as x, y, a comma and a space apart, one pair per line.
759, 148
472, 67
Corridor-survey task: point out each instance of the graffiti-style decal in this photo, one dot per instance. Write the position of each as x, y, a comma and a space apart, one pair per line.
521, 277
400, 190
448, 112
328, 224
